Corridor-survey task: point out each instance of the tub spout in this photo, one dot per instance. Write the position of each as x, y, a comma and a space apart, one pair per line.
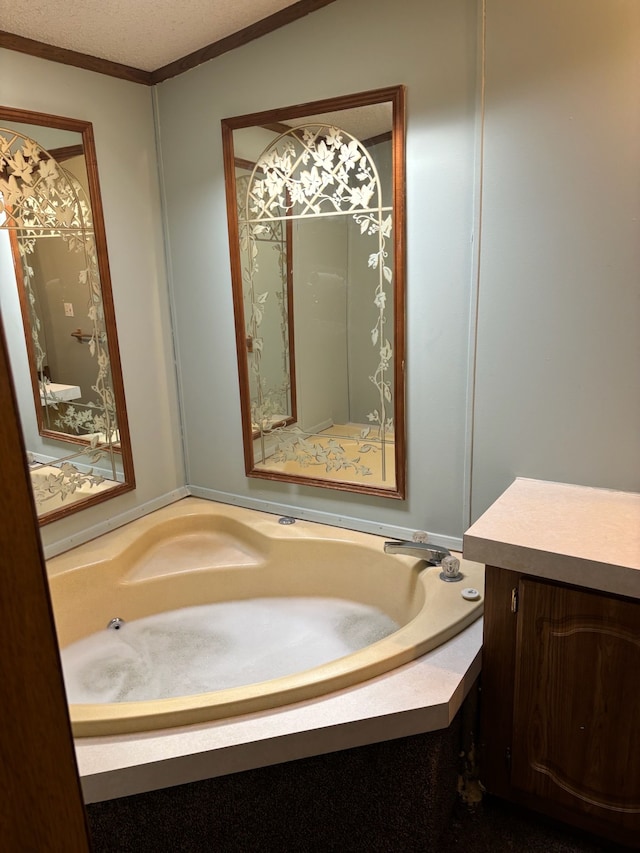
432, 554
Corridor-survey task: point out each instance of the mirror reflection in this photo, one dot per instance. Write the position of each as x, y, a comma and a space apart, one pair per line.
315, 232
271, 369
58, 316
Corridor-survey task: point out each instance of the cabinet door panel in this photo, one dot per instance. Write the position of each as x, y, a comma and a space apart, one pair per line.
576, 737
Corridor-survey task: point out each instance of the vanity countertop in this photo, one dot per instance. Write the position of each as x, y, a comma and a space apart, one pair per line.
578, 535
60, 393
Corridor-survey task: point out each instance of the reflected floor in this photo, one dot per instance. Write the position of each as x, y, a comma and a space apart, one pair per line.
356, 454
55, 487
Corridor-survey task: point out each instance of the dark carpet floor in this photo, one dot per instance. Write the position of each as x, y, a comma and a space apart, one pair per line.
494, 826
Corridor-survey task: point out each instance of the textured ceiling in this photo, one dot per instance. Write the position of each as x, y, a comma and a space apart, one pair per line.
145, 34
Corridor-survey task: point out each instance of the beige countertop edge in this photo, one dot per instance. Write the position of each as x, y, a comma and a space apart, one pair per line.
565, 568
421, 696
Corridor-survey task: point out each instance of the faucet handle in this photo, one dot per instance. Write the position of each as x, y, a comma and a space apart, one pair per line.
450, 566
420, 536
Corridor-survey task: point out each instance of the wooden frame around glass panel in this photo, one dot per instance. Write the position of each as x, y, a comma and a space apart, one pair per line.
124, 481
288, 121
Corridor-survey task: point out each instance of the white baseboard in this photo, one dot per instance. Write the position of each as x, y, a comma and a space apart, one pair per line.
65, 544
349, 522
314, 429
454, 543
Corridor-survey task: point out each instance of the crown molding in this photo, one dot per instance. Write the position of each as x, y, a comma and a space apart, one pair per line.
10, 41
285, 16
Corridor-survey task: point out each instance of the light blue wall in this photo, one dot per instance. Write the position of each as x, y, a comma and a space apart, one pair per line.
122, 117
558, 379
555, 385
557, 389
349, 46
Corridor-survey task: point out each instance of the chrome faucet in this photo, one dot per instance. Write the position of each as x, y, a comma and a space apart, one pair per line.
432, 554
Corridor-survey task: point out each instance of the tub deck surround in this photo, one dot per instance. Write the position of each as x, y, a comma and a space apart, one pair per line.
421, 696
577, 535
197, 552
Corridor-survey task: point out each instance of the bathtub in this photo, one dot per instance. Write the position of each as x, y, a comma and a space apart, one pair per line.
197, 552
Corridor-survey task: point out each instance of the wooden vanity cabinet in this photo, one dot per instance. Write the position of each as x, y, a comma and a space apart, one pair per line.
560, 706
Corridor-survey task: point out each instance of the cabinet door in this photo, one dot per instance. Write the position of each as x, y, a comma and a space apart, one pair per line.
576, 737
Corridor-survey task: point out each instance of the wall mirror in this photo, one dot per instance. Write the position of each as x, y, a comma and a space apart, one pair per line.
57, 309
315, 202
